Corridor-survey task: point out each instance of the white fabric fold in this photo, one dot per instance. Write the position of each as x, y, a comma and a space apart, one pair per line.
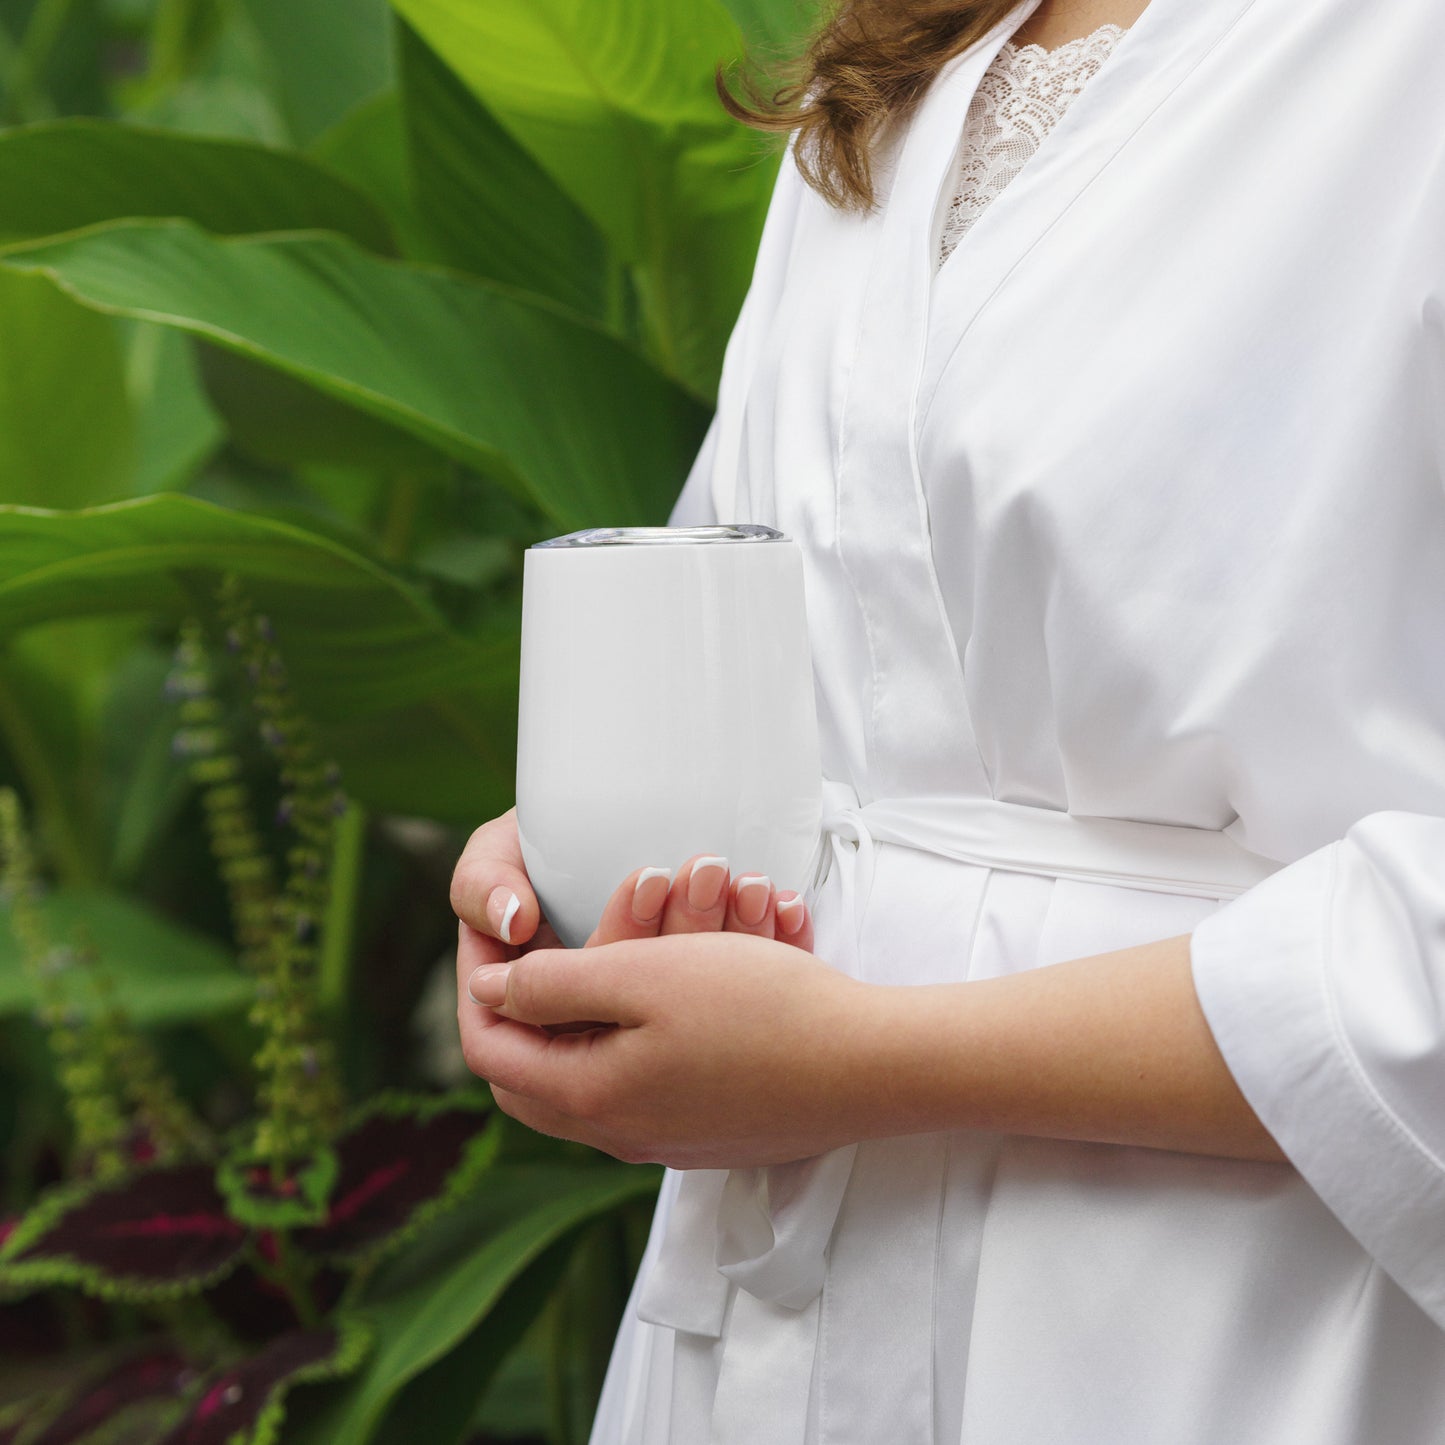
766, 1230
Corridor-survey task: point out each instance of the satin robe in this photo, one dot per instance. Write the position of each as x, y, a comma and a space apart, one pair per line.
1134, 511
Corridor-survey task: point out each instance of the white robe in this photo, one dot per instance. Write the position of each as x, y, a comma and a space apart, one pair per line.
1135, 510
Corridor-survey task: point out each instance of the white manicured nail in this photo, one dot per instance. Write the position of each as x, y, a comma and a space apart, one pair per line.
752, 899
649, 893
502, 908
791, 912
706, 883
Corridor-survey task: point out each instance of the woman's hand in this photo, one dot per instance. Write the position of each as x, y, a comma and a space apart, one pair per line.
501, 920
709, 1050
493, 898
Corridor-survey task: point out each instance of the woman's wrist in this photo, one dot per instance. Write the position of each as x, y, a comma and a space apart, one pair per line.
1110, 1049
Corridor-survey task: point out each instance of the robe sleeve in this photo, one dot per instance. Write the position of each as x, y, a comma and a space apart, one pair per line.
694, 506
1324, 987
710, 494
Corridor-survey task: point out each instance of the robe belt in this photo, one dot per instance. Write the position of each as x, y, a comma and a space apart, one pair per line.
767, 1230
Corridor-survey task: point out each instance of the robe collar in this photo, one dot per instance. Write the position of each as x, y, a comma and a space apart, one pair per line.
1165, 45
918, 735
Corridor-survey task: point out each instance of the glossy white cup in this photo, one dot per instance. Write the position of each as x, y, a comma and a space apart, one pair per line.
666, 709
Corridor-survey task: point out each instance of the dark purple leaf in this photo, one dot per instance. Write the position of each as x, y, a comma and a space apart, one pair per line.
398, 1163
160, 1374
162, 1232
242, 1404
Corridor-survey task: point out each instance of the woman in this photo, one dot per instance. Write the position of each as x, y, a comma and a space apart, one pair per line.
1118, 1115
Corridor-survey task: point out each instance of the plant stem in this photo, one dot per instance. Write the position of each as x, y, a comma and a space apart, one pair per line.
74, 862
400, 522
288, 1276
25, 99
339, 926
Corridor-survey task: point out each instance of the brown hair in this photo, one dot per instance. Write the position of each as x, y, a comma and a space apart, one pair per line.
866, 67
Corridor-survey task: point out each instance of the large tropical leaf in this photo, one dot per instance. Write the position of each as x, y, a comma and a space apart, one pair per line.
209, 74
177, 428
429, 1300
77, 172
492, 209
368, 147
564, 413
617, 103
421, 719
66, 427
163, 973
326, 55
775, 28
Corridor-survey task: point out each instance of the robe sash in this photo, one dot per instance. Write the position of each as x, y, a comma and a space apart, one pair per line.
766, 1230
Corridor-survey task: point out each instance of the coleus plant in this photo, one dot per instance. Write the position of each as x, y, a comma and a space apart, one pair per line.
234, 1259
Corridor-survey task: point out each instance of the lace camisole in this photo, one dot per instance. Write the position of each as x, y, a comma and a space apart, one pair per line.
1020, 99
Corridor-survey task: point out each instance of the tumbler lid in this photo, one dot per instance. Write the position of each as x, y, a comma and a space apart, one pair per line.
664, 536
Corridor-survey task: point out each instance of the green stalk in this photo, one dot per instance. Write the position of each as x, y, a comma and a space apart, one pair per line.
288, 1277
397, 533
25, 100
339, 926
76, 866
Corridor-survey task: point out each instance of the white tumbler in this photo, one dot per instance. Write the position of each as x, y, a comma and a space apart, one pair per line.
666, 709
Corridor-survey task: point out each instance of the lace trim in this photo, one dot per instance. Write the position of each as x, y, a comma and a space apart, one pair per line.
1020, 99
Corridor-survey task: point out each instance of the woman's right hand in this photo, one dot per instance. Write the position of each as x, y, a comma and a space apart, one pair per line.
501, 918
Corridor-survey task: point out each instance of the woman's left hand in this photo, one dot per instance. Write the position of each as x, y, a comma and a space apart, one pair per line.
709, 1050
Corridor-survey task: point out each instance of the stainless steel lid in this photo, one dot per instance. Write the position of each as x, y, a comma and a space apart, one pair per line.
664, 536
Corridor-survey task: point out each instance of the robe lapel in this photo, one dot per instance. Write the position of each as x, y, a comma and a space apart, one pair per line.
1163, 47
918, 734
918, 738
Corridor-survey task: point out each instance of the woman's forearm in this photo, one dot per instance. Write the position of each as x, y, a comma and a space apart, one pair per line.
1113, 1048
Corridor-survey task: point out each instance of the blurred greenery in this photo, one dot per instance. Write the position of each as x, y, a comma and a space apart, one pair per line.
351, 302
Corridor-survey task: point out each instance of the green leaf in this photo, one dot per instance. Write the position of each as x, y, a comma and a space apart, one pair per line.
66, 429
210, 75
373, 664
53, 689
74, 173
448, 1393
326, 55
368, 147
515, 387
274, 418
177, 428
617, 103
428, 1300
163, 973
775, 28
493, 210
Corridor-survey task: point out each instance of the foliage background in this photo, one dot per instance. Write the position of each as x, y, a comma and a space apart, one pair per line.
353, 302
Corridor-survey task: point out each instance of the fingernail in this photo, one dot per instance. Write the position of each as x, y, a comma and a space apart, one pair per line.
790, 913
753, 894
705, 885
488, 984
649, 893
502, 908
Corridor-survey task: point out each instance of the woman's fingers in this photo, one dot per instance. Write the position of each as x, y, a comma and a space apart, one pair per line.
698, 901
635, 908
792, 921
547, 988
757, 907
750, 905
490, 888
